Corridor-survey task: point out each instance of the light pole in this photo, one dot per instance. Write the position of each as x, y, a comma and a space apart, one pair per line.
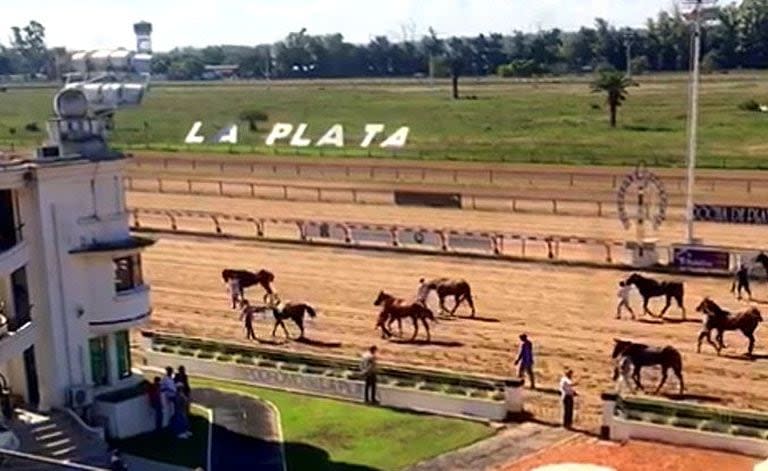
628, 38
693, 111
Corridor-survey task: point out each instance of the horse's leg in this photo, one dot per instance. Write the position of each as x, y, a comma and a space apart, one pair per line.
751, 337
663, 379
679, 374
443, 309
400, 327
426, 326
285, 329
702, 335
666, 305
415, 329
636, 377
300, 324
274, 330
645, 307
456, 302
721, 339
679, 300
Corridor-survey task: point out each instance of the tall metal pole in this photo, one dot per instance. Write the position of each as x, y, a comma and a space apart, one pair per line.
693, 122
628, 44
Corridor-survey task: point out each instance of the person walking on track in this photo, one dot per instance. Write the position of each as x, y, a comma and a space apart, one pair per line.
567, 394
423, 293
246, 316
525, 360
368, 367
235, 291
741, 281
624, 292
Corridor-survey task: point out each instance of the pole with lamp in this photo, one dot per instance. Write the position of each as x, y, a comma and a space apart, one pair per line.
628, 39
701, 9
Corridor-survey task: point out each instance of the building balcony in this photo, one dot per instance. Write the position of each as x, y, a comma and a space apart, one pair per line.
128, 309
104, 228
12, 257
16, 336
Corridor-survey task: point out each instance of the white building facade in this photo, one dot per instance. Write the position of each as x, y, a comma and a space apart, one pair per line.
71, 283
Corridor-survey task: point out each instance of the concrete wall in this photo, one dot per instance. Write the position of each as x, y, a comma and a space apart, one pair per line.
406, 398
129, 418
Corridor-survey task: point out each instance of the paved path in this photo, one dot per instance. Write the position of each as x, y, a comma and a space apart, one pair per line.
245, 433
505, 447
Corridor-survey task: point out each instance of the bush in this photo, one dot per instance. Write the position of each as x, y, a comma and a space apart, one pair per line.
165, 349
456, 391
253, 117
498, 396
289, 367
520, 68
749, 105
313, 370
224, 357
32, 127
186, 353
205, 355
267, 364
245, 360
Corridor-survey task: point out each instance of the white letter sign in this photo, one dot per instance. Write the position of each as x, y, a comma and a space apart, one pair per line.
279, 131
334, 137
192, 137
371, 130
228, 134
398, 139
298, 139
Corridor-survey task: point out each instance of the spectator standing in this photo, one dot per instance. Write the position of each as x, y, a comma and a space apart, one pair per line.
156, 402
235, 292
369, 367
181, 418
741, 282
567, 394
524, 360
182, 378
168, 389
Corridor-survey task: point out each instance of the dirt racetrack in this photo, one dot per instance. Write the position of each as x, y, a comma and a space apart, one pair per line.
568, 312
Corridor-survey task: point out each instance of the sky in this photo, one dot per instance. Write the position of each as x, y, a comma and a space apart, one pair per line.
92, 24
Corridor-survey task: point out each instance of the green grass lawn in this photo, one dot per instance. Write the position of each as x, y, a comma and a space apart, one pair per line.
509, 121
192, 452
324, 434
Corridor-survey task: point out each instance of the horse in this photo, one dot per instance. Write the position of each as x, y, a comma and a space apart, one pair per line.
459, 289
650, 288
643, 355
293, 311
395, 309
722, 321
246, 279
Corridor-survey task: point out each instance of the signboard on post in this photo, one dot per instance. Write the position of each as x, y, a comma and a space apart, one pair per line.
730, 214
701, 258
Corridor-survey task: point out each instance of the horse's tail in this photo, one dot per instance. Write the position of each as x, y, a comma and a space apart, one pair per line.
309, 310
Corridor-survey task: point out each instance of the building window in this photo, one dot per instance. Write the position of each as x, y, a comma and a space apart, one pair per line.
21, 301
9, 233
128, 273
123, 347
99, 362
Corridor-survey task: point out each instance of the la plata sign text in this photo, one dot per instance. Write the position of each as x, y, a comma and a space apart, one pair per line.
295, 136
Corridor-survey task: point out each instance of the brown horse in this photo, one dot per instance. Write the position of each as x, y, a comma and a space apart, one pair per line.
445, 287
721, 320
246, 278
650, 288
641, 355
395, 309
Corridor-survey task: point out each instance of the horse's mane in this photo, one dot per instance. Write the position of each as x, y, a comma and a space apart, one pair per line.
718, 310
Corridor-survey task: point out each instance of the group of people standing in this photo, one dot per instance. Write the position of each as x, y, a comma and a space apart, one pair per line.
172, 393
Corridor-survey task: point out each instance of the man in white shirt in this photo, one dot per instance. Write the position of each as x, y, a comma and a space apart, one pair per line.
624, 291
567, 393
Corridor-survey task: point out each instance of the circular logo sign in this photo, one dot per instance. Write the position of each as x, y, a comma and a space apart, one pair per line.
418, 237
647, 186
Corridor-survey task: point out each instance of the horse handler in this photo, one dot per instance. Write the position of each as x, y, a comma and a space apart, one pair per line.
623, 294
246, 315
525, 360
741, 282
235, 291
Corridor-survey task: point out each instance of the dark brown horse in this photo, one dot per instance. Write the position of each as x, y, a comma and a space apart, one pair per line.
288, 311
722, 321
246, 278
445, 287
641, 355
395, 309
650, 288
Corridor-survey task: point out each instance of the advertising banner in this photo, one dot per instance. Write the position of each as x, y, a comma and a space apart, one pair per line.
730, 214
701, 258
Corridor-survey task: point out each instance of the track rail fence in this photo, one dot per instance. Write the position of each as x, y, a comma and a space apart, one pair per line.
507, 202
491, 244
425, 174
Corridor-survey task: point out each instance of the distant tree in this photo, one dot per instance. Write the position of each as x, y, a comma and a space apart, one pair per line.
253, 117
614, 84
457, 53
29, 41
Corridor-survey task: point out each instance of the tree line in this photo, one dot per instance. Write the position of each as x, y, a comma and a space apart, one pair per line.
738, 39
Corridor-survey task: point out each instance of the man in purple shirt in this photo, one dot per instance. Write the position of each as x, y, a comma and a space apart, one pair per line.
525, 360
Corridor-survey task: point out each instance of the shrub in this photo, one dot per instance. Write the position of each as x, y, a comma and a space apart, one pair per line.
747, 432
431, 387
313, 370
456, 391
404, 383
186, 353
245, 360
498, 396
289, 367
224, 357
205, 355
478, 394
749, 105
32, 127
253, 117
267, 364
165, 349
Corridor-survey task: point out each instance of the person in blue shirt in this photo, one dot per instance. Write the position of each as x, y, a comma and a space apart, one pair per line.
525, 360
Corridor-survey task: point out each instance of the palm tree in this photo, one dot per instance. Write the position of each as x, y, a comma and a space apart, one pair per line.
615, 85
